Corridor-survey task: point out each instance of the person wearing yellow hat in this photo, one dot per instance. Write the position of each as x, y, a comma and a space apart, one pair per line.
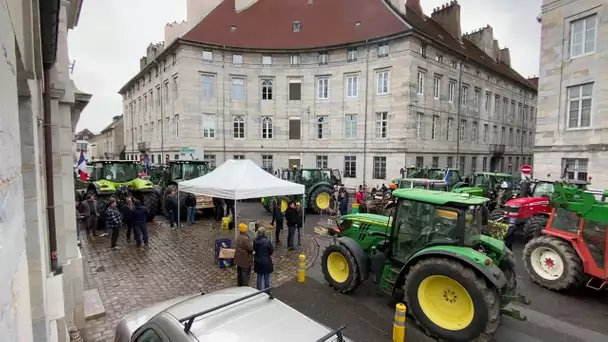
243, 256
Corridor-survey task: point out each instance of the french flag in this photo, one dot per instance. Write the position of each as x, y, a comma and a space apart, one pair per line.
82, 167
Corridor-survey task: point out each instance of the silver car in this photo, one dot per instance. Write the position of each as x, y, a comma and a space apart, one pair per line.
228, 315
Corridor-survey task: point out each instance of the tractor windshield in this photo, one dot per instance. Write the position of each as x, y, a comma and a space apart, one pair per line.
187, 171
117, 172
543, 189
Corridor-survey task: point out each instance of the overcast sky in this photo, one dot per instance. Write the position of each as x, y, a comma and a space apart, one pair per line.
112, 35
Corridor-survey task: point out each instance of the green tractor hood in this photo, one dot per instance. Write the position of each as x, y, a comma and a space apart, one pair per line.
471, 190
137, 184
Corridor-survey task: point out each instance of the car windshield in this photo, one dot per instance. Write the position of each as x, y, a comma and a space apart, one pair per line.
117, 172
187, 171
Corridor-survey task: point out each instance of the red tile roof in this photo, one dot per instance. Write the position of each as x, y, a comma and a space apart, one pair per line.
268, 24
534, 81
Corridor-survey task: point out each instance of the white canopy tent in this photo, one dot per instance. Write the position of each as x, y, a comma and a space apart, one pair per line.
240, 179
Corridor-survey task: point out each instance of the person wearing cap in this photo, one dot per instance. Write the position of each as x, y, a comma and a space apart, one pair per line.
243, 256
113, 221
262, 264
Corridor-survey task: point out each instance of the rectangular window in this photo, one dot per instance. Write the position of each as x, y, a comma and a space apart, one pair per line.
462, 164
208, 126
450, 162
323, 58
267, 92
322, 162
210, 158
294, 60
266, 60
350, 167
450, 129
322, 88
486, 132
352, 86
474, 132
421, 78
419, 125
175, 87
295, 129
158, 96
238, 89
511, 141
473, 164
267, 128
237, 60
423, 49
512, 108
439, 58
238, 157
464, 95
583, 36
207, 55
517, 138
159, 129
323, 127
575, 169
524, 137
382, 81
295, 90
383, 50
463, 130
451, 91
350, 126
207, 86
496, 104
238, 124
488, 101
434, 125
502, 135
505, 109
379, 168
381, 124
352, 55
476, 98
579, 105
267, 162
484, 164
436, 87
435, 163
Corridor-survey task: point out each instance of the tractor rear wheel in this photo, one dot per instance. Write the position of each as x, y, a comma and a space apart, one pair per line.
534, 226
266, 204
497, 214
284, 203
450, 301
340, 268
553, 263
320, 199
151, 200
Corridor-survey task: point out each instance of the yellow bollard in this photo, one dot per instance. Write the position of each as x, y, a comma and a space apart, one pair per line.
399, 323
301, 268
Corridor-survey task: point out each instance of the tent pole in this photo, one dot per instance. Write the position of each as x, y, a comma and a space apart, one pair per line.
179, 225
235, 220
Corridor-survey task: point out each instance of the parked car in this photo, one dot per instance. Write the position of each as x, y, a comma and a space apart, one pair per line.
232, 314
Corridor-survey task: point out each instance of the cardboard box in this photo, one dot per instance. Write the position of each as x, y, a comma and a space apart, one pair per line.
227, 253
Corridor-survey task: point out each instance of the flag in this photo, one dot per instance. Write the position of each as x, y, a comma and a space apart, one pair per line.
447, 176
82, 167
147, 164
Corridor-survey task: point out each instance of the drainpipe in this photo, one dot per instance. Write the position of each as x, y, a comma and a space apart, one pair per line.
459, 99
48, 159
365, 105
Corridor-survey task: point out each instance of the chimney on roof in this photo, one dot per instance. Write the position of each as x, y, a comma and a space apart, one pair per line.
448, 16
143, 62
241, 5
414, 5
483, 38
399, 5
504, 56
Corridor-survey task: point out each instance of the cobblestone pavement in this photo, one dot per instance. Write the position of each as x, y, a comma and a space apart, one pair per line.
177, 262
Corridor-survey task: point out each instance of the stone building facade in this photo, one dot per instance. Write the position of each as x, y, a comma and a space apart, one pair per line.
41, 278
110, 142
368, 105
573, 87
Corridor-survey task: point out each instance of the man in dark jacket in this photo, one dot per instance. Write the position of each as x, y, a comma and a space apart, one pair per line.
83, 213
243, 256
140, 221
190, 203
301, 221
277, 217
171, 206
127, 216
93, 216
218, 208
262, 264
113, 221
291, 216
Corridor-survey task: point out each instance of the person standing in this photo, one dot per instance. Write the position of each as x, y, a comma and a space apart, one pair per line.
127, 216
243, 256
277, 219
301, 221
343, 203
291, 216
230, 212
171, 207
83, 213
218, 208
190, 203
140, 223
113, 221
93, 216
262, 265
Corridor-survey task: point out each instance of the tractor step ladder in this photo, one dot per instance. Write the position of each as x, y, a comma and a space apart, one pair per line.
602, 284
389, 279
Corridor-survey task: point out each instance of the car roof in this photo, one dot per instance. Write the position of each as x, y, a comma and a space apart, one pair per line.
439, 197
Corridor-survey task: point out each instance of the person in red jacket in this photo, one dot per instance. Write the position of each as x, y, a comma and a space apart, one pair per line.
359, 195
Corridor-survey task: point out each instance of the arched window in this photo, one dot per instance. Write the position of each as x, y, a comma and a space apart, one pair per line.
238, 127
322, 127
266, 127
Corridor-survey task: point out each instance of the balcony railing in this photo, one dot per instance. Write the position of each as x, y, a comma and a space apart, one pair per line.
497, 148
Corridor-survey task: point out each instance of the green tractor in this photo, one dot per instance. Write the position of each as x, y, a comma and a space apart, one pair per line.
449, 175
431, 254
181, 170
319, 184
498, 187
119, 178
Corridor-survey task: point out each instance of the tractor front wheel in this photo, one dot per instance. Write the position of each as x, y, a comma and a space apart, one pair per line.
534, 226
151, 200
497, 214
340, 268
320, 199
450, 301
553, 263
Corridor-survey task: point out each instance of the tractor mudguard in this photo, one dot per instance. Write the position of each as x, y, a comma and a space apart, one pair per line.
492, 273
316, 186
359, 254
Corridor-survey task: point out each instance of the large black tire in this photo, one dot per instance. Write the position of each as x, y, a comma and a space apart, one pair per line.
534, 226
485, 298
572, 275
151, 200
497, 214
320, 191
352, 281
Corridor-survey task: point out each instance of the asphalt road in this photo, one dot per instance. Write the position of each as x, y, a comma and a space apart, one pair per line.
574, 316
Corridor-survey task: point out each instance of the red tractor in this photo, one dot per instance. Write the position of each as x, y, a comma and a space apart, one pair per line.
530, 212
572, 248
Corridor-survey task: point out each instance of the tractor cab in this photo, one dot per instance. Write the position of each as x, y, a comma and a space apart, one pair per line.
431, 254
181, 170
117, 171
423, 183
414, 172
452, 178
318, 183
